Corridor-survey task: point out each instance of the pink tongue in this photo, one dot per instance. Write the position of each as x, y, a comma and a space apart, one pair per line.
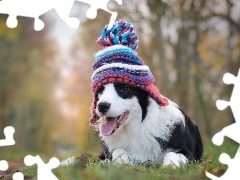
109, 126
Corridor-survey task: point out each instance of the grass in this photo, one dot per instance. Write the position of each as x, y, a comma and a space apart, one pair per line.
107, 171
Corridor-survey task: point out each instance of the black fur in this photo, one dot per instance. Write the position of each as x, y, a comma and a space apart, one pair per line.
127, 92
105, 154
184, 139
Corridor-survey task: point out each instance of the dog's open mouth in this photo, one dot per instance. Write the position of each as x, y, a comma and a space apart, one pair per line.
111, 124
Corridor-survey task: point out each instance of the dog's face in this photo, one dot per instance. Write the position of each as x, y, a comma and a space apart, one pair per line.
119, 105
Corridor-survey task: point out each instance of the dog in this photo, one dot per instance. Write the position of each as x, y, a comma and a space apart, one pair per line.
135, 122
135, 129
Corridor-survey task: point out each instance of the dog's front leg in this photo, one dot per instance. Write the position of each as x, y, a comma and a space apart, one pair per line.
174, 159
120, 156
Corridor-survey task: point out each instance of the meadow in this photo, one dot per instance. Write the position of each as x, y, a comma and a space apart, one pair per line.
94, 170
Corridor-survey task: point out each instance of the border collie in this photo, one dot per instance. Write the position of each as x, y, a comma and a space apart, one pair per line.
135, 129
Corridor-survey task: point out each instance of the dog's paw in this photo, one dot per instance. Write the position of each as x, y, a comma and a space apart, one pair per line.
119, 156
174, 159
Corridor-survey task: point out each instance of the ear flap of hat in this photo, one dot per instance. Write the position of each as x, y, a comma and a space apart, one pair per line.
156, 95
94, 116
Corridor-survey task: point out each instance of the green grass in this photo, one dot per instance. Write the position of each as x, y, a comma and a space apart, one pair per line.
107, 171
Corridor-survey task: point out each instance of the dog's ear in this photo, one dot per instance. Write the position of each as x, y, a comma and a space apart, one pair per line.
143, 101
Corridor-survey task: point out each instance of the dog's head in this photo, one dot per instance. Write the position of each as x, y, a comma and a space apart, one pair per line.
118, 104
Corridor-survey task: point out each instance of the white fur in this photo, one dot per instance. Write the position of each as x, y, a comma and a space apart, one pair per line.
120, 156
174, 159
134, 141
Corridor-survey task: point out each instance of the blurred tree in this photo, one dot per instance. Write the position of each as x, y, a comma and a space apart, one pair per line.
78, 84
176, 30
27, 73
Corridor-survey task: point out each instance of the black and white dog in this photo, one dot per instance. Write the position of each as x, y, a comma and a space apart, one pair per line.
135, 129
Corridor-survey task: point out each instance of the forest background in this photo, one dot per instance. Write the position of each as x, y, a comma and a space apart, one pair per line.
45, 76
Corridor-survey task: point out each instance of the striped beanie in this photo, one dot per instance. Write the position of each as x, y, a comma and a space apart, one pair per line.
119, 62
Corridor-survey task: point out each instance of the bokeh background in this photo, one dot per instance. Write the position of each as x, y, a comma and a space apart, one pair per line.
45, 76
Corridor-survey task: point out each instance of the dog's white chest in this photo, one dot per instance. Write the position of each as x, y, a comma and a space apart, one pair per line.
145, 150
142, 148
137, 147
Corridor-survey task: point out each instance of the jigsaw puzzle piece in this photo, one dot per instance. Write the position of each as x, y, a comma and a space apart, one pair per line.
12, 21
5, 8
26, 8
71, 22
233, 167
8, 132
18, 176
229, 78
231, 131
63, 8
100, 4
224, 158
211, 176
233, 164
38, 24
44, 170
221, 104
234, 100
3, 165
34, 9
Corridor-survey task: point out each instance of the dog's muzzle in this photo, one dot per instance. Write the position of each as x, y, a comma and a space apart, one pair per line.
110, 124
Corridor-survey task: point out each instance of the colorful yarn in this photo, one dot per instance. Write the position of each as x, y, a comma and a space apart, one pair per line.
117, 53
121, 33
121, 75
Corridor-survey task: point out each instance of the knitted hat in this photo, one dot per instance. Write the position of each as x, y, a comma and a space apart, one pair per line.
119, 62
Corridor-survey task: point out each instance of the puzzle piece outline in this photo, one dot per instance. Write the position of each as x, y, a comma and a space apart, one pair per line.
233, 167
34, 9
8, 141
18, 176
44, 170
8, 133
229, 78
102, 4
230, 131
3, 165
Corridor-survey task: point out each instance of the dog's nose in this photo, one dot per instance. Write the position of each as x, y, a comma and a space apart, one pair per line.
103, 107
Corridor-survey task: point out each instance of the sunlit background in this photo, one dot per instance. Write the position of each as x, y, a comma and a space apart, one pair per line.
45, 76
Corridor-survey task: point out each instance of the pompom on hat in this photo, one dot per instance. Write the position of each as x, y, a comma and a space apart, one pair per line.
119, 62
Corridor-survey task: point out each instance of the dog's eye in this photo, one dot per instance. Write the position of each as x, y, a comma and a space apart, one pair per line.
100, 91
123, 88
